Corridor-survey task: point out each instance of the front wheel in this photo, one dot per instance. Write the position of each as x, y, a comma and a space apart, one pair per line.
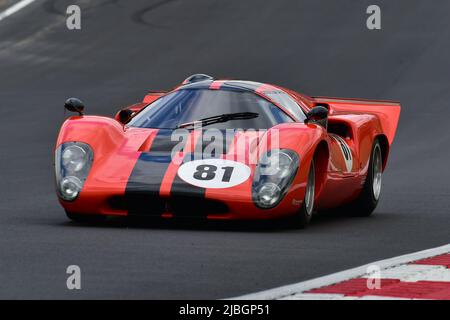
307, 209
367, 201
85, 218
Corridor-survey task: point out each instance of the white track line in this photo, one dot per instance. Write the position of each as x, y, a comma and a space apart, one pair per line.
416, 272
298, 288
14, 8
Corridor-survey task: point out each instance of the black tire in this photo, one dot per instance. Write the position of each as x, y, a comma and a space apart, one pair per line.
367, 201
306, 211
85, 218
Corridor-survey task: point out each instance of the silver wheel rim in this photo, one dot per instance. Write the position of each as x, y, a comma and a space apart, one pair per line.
377, 172
309, 196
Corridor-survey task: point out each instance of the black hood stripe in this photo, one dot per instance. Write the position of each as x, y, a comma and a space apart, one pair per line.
142, 195
142, 192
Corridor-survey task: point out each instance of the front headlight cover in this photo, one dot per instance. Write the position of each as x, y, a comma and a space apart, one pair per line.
273, 176
73, 161
74, 158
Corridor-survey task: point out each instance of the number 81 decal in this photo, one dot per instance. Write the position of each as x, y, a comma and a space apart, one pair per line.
214, 173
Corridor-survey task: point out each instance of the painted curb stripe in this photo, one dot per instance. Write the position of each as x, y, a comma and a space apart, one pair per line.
443, 260
416, 272
301, 287
390, 288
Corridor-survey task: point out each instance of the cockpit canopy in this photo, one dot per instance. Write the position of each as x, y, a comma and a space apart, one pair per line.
191, 104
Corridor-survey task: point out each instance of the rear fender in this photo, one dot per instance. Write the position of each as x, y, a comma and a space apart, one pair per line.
387, 112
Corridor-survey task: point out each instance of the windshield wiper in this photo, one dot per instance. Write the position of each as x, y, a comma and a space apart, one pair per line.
220, 118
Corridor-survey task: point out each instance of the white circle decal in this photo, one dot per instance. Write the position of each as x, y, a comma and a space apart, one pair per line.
214, 173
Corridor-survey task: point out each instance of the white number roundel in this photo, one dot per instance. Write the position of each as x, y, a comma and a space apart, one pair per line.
214, 173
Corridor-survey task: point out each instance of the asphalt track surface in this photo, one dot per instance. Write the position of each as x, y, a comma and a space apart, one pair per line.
128, 47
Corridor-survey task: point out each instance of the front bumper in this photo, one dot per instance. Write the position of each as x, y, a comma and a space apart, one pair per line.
229, 207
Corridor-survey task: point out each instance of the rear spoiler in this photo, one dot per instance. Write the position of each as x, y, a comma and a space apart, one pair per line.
387, 111
354, 100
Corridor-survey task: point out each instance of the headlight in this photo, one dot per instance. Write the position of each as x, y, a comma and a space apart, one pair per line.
70, 187
273, 176
74, 158
73, 161
268, 194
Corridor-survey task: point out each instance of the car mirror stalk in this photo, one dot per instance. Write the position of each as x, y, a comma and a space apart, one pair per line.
319, 115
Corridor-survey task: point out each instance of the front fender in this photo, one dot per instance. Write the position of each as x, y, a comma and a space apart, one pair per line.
116, 150
304, 140
100, 133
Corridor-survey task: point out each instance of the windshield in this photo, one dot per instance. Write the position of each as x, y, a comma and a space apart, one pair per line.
188, 105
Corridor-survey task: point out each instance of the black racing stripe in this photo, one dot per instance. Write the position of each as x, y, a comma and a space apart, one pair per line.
186, 199
180, 188
215, 144
189, 200
227, 85
206, 147
142, 191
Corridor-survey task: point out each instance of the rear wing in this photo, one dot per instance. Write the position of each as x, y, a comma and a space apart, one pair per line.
387, 111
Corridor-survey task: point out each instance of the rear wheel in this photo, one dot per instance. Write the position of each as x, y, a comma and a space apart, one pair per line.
307, 209
368, 199
85, 218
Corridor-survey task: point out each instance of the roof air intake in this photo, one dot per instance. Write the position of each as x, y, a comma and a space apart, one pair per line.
196, 78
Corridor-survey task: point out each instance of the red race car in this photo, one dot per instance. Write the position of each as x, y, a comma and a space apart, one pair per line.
225, 149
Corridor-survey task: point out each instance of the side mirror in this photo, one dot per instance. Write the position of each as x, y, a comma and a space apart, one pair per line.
74, 105
124, 116
319, 115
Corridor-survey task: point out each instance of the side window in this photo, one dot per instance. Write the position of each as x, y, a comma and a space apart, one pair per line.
287, 102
